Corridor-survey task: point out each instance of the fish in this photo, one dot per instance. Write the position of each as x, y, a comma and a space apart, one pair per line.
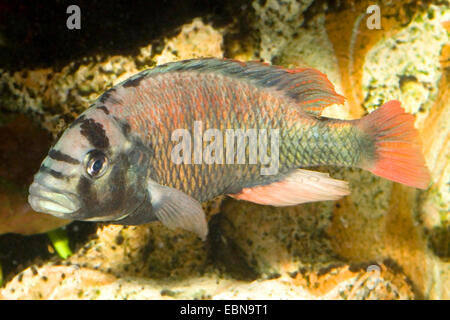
130, 157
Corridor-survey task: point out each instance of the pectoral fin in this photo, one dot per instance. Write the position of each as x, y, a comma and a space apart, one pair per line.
175, 209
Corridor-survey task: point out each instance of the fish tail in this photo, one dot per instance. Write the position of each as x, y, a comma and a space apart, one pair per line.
396, 147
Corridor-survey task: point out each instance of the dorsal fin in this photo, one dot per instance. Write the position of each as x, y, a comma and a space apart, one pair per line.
309, 87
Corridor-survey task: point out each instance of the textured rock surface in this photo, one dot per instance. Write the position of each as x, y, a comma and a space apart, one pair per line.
385, 241
74, 282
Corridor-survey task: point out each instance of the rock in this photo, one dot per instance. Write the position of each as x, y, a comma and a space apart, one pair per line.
145, 251
399, 218
278, 23
270, 240
74, 282
60, 282
195, 40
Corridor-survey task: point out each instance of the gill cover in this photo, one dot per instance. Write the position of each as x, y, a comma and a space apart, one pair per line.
172, 207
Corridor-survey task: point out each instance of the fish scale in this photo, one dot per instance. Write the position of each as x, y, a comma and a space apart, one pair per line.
114, 162
303, 142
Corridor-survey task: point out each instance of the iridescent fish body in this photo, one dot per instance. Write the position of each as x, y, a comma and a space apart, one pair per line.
115, 162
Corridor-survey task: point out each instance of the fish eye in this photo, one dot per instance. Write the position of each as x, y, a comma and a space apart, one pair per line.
96, 164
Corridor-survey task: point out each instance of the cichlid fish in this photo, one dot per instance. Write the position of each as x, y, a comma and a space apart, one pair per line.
131, 159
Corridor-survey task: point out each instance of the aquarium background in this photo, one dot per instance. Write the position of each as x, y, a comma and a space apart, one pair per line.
384, 241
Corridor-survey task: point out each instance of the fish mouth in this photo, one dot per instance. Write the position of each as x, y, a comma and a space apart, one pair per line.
45, 199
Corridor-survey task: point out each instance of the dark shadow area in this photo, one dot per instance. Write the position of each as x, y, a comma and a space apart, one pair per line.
225, 254
439, 242
18, 252
34, 33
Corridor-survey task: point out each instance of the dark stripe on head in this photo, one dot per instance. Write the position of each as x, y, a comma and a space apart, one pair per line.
53, 173
89, 196
134, 82
104, 109
94, 132
84, 186
78, 120
126, 129
57, 155
107, 96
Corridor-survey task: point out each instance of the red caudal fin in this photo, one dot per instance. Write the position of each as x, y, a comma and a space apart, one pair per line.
397, 153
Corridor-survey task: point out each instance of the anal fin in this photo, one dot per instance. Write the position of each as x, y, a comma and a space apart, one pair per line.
300, 186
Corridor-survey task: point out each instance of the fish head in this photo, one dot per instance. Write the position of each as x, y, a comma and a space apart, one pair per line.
95, 172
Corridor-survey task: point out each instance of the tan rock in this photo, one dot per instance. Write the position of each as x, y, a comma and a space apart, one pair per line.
73, 282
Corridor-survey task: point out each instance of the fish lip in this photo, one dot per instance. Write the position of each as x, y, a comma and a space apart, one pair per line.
48, 200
